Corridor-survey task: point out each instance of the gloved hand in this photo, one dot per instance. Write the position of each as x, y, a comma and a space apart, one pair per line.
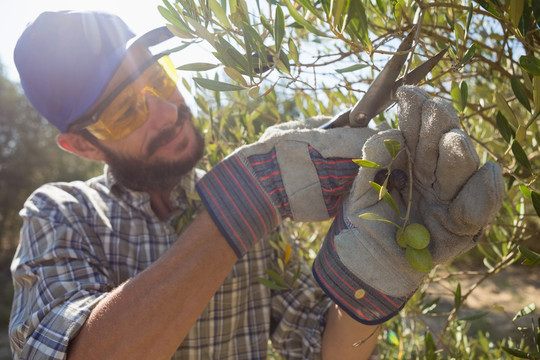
361, 266
294, 171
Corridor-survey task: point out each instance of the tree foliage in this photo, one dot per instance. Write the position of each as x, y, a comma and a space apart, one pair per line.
29, 158
278, 60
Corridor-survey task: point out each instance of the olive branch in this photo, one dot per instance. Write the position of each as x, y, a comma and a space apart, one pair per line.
413, 237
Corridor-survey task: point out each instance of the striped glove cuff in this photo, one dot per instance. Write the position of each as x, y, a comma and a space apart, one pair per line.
237, 203
361, 301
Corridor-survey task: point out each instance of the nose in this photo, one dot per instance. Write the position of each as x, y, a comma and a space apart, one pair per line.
161, 112
176, 98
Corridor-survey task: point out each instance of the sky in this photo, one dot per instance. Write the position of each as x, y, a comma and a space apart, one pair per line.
140, 16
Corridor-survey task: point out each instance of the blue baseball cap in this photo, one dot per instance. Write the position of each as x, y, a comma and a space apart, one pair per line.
66, 59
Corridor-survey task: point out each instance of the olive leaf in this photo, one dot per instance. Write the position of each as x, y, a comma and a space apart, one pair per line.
366, 163
530, 64
293, 51
276, 278
307, 4
520, 92
505, 128
254, 92
516, 352
536, 201
531, 257
199, 66
520, 155
431, 348
393, 147
235, 75
300, 19
375, 217
460, 95
270, 284
352, 68
279, 27
337, 10
502, 104
457, 296
469, 54
387, 197
220, 13
216, 85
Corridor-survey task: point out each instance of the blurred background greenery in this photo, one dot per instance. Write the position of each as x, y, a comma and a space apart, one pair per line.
29, 157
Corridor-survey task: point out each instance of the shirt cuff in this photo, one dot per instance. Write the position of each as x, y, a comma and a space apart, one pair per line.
51, 337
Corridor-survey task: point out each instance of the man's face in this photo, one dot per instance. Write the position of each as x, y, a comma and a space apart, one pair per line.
158, 153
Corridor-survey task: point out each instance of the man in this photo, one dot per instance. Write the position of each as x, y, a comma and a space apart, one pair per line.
101, 272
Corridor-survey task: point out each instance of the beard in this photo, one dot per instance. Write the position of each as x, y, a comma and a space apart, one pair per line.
140, 175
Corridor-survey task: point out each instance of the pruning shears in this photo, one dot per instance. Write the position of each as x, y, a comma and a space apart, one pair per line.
382, 91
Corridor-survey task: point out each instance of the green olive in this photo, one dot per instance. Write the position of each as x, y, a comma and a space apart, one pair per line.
420, 260
400, 238
416, 236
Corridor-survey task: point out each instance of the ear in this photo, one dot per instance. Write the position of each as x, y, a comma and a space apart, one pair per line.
79, 146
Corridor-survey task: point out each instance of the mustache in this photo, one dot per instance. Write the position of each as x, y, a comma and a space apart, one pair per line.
184, 115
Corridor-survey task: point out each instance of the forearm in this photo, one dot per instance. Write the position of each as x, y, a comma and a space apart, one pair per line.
342, 332
150, 315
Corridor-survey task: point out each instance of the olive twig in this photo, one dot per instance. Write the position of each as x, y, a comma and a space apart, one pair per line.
409, 203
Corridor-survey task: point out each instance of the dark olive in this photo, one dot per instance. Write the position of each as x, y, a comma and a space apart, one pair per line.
398, 180
265, 67
380, 177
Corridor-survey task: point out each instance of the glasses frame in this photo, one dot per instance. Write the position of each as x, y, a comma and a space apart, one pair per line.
93, 118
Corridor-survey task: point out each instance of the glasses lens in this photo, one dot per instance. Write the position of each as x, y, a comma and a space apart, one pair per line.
128, 110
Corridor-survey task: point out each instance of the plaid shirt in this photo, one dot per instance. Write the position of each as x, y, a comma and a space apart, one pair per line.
80, 240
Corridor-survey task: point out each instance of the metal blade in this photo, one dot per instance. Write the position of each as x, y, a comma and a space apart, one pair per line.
379, 90
412, 78
382, 92
340, 120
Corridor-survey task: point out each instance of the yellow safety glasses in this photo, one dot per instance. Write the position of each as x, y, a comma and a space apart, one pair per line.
127, 110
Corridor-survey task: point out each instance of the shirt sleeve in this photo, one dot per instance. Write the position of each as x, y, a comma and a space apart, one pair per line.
299, 318
58, 279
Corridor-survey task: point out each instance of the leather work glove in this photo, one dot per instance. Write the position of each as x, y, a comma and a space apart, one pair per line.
294, 171
361, 266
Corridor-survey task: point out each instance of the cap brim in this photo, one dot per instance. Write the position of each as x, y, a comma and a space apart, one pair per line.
151, 38
361, 301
